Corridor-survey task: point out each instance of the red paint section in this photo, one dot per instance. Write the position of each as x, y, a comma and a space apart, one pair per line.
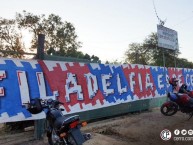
2, 92
177, 73
3, 76
38, 76
57, 81
143, 72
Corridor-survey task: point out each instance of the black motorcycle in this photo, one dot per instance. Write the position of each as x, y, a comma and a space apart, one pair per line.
61, 130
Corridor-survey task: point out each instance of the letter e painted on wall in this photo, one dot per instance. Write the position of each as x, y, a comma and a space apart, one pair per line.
106, 84
91, 84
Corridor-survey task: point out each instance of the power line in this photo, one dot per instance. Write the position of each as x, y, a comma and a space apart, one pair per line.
185, 20
160, 21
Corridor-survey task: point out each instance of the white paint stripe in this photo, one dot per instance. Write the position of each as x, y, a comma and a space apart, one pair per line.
41, 84
23, 86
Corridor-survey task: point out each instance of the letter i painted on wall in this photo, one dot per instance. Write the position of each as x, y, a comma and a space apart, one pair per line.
23, 86
41, 84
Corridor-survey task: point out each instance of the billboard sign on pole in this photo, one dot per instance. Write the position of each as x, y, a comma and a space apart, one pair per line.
167, 38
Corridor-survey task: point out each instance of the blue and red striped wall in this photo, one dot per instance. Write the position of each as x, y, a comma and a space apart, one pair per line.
80, 86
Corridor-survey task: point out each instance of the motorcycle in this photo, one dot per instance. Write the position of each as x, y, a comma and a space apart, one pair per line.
177, 102
61, 130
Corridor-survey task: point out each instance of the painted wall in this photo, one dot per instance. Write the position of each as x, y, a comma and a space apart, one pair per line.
79, 86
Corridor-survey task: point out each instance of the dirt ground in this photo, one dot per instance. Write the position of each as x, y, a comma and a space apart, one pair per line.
131, 129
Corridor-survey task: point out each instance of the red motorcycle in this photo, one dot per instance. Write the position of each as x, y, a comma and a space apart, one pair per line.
178, 101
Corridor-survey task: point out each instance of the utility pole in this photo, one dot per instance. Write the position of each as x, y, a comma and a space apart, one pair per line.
40, 124
40, 49
137, 57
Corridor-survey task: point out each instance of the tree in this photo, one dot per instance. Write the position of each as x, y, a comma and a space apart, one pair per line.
184, 63
148, 53
115, 62
137, 54
61, 38
10, 39
86, 56
95, 59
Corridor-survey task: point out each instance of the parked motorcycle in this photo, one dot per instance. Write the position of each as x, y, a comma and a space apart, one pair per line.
183, 89
61, 130
177, 102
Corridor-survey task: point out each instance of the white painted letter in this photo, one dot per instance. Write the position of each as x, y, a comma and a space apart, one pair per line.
160, 85
140, 82
120, 90
191, 80
41, 84
187, 77
179, 80
148, 83
91, 84
23, 86
71, 79
132, 82
106, 84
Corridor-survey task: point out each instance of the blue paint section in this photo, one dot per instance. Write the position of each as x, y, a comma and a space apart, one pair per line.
12, 93
188, 77
48, 89
124, 82
11, 102
105, 70
159, 78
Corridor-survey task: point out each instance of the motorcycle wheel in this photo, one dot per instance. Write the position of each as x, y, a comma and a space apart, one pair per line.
52, 139
190, 115
71, 140
169, 109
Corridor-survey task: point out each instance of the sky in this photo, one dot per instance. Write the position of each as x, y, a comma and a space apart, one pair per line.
107, 27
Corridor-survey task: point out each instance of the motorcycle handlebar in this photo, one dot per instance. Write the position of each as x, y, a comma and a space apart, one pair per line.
52, 103
37, 105
45, 103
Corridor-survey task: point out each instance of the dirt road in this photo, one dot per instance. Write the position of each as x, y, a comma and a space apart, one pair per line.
139, 129
134, 129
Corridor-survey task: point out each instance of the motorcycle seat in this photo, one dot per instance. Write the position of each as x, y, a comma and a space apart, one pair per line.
63, 120
181, 95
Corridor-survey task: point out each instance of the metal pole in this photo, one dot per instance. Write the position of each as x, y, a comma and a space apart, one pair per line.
136, 57
39, 128
40, 49
39, 125
175, 60
164, 65
164, 62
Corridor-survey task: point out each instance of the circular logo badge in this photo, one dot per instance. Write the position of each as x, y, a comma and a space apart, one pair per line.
184, 132
165, 134
190, 132
177, 132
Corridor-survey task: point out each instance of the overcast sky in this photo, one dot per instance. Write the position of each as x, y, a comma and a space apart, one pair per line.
107, 27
